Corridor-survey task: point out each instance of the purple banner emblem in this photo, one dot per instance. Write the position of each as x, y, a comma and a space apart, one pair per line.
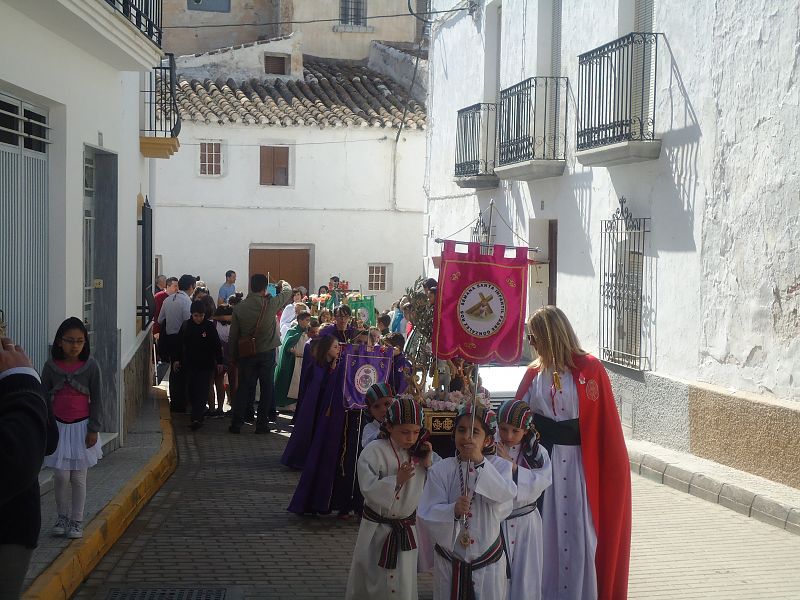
363, 367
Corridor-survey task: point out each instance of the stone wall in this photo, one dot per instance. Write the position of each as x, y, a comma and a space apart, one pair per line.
137, 378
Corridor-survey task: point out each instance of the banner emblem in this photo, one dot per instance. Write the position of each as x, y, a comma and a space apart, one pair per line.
366, 376
482, 309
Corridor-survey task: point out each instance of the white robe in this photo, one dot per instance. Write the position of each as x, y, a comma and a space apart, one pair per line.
569, 538
491, 503
294, 384
523, 534
370, 433
377, 478
287, 317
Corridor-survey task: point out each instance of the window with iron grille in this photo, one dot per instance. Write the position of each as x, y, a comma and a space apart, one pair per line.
377, 278
622, 279
353, 12
210, 158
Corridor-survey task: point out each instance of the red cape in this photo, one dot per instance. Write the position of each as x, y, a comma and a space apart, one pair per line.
607, 472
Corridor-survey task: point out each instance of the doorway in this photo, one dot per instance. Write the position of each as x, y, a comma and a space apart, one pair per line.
289, 264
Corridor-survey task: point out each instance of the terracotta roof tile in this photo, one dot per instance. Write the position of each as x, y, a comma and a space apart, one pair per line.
332, 93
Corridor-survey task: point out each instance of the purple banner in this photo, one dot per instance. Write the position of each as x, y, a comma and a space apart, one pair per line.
363, 367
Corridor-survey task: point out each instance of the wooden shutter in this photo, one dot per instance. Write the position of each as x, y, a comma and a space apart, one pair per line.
275, 65
267, 171
281, 166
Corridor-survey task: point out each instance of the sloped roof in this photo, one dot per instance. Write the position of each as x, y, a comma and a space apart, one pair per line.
333, 93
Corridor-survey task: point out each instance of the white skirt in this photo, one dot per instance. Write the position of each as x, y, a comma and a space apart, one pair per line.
72, 453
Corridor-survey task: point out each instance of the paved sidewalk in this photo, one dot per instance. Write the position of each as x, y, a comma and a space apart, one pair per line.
104, 480
220, 522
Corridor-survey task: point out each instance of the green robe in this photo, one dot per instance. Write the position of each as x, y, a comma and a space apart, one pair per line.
285, 367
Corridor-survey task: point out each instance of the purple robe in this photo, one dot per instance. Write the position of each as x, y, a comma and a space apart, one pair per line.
401, 367
328, 479
313, 379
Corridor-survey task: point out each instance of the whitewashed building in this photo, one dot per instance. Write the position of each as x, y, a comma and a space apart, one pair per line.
77, 135
689, 289
293, 166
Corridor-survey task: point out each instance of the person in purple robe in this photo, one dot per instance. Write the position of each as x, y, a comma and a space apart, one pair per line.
319, 361
328, 482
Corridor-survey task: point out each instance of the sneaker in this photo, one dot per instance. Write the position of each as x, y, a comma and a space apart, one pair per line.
195, 425
75, 530
250, 419
60, 528
217, 414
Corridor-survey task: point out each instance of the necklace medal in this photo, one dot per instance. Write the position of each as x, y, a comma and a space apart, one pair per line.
464, 538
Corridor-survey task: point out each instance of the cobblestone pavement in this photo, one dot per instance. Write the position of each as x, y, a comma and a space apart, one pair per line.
221, 521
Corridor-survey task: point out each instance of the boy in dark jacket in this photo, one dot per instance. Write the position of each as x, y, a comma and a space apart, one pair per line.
201, 355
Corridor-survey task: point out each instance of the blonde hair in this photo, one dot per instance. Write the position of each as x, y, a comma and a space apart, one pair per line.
556, 341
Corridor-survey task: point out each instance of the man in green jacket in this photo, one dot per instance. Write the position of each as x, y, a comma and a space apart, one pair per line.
255, 317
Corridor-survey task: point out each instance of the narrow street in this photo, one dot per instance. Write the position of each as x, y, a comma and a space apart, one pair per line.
220, 524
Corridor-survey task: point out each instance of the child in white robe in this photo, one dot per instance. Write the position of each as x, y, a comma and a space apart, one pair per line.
522, 530
391, 475
379, 398
466, 498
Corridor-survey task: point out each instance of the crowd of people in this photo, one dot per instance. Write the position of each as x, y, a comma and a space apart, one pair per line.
535, 503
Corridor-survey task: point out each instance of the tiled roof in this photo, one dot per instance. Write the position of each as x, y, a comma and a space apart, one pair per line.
333, 93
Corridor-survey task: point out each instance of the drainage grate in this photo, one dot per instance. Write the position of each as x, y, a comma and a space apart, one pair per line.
162, 593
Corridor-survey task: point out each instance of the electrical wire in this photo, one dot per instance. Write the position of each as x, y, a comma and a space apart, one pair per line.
229, 145
310, 21
511, 229
470, 224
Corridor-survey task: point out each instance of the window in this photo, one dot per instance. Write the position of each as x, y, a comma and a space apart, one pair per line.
210, 158
353, 12
276, 64
377, 278
221, 6
21, 123
274, 165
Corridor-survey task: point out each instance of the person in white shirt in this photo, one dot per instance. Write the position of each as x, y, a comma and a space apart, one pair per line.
175, 311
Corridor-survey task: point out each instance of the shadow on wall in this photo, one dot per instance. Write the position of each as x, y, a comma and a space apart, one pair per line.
670, 183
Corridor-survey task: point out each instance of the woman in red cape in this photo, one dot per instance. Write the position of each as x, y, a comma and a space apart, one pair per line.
586, 513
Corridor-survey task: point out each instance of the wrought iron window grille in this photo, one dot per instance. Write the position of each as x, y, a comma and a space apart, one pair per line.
617, 91
146, 309
353, 12
162, 118
145, 15
475, 140
532, 120
623, 270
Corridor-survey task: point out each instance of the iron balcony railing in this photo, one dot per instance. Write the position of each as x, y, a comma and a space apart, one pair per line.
162, 118
144, 14
617, 92
532, 120
475, 140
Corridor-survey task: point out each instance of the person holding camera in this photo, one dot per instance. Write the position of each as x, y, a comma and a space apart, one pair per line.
254, 337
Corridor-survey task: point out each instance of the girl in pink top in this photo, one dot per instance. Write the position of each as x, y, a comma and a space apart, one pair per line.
73, 380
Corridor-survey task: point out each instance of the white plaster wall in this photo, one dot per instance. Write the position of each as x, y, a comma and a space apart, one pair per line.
722, 296
341, 203
85, 96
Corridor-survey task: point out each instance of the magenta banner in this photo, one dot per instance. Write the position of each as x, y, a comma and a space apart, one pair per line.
481, 304
363, 367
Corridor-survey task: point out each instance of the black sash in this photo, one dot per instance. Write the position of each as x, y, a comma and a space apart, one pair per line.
557, 433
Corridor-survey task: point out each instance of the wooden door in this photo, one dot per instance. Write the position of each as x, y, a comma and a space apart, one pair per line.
291, 265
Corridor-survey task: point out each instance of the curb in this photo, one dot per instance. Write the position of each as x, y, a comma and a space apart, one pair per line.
712, 489
63, 577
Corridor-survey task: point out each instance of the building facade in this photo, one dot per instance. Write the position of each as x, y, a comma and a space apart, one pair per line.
299, 175
645, 159
76, 136
333, 29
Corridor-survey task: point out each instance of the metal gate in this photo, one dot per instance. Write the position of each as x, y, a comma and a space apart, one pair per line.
88, 238
622, 266
24, 276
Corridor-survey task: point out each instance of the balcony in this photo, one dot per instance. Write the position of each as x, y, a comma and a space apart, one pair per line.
616, 102
475, 147
532, 129
145, 15
162, 121
125, 34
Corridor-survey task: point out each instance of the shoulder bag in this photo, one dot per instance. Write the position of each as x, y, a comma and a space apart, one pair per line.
247, 346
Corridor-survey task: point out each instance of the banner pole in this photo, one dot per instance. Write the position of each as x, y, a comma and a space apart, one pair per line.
358, 451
